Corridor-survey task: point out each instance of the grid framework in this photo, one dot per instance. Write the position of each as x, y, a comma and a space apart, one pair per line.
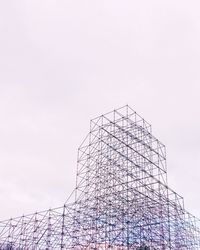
121, 198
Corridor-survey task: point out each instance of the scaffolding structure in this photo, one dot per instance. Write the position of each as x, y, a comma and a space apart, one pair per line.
121, 199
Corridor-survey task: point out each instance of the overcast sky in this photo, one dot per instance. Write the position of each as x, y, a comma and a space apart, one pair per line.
63, 62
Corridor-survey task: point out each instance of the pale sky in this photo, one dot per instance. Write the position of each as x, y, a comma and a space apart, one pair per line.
63, 62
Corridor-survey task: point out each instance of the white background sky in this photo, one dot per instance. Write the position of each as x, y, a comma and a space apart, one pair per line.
63, 62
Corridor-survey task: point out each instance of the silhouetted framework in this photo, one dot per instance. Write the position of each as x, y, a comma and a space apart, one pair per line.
121, 199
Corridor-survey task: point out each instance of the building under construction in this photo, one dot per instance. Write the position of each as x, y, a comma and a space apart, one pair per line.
121, 198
